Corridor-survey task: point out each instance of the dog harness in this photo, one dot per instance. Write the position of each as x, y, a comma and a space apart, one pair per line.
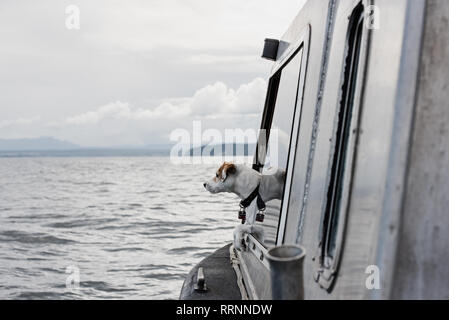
247, 202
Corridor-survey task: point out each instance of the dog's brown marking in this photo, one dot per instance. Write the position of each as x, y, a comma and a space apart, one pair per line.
228, 168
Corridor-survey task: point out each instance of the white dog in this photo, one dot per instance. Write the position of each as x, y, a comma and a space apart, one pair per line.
242, 181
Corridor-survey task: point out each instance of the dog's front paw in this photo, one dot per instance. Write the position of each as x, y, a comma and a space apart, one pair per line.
239, 236
242, 230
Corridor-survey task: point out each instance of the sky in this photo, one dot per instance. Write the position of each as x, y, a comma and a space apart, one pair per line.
135, 70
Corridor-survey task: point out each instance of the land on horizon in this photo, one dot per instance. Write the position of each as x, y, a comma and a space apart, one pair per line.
52, 147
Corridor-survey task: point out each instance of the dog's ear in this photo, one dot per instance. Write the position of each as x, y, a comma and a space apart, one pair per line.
228, 168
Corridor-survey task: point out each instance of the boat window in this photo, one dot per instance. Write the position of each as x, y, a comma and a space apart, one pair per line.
273, 147
343, 151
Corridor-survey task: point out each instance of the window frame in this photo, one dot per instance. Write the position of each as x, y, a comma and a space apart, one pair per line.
344, 148
267, 117
290, 168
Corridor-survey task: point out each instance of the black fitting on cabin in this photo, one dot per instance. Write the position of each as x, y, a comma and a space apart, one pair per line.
270, 49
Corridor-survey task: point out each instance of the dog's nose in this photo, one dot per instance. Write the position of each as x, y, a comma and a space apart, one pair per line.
204, 184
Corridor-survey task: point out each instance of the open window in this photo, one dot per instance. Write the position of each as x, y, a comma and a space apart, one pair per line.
272, 155
344, 141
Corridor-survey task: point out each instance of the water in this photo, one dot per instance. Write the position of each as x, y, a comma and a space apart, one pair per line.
133, 227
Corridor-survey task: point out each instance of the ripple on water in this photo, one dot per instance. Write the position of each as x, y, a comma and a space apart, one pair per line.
127, 249
34, 238
81, 223
145, 267
103, 286
42, 216
150, 192
38, 295
162, 236
157, 208
164, 276
186, 249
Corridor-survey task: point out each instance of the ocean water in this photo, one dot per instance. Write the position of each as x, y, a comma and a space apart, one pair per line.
127, 228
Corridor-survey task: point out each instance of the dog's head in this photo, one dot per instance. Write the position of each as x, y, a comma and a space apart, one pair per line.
223, 180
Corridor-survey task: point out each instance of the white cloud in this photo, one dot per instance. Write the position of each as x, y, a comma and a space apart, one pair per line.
129, 50
123, 124
93, 86
120, 123
213, 100
120, 110
219, 99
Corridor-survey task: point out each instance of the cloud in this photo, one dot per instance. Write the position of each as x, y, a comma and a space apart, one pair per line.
19, 122
131, 74
120, 123
218, 99
213, 100
121, 110
129, 50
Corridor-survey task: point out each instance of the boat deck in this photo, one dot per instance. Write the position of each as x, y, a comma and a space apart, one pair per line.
221, 280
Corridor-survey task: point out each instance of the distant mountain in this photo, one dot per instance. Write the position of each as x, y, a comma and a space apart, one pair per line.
36, 144
51, 147
158, 147
227, 149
